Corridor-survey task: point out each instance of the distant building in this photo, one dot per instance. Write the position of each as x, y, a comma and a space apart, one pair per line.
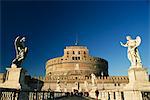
76, 61
74, 71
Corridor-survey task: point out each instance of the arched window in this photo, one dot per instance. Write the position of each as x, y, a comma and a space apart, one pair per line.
73, 52
72, 58
67, 52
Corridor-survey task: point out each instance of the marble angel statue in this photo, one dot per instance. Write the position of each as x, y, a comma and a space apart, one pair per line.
93, 78
133, 53
21, 51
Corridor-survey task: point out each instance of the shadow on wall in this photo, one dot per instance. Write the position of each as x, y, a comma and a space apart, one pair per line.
34, 83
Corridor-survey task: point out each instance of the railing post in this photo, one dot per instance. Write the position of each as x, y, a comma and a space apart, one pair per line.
18, 98
53, 95
43, 95
14, 96
36, 95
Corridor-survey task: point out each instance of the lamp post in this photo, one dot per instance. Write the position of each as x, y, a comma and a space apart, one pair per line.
103, 81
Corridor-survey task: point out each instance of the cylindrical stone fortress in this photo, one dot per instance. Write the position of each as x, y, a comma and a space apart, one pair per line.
76, 61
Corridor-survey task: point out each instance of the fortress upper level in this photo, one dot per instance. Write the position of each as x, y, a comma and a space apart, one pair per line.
76, 61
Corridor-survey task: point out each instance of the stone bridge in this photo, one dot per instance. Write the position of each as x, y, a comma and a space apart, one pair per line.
75, 98
13, 94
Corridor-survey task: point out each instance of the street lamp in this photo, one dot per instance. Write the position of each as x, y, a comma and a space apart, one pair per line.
103, 81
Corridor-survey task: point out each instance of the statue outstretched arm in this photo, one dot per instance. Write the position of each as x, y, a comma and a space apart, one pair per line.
124, 45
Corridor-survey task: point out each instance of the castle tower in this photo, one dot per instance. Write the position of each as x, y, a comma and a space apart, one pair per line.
76, 61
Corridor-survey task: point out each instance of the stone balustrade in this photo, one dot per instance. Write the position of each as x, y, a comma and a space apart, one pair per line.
29, 95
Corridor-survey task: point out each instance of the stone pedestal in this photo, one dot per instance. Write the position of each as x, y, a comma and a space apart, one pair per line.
92, 92
15, 79
58, 88
133, 95
138, 75
65, 89
138, 81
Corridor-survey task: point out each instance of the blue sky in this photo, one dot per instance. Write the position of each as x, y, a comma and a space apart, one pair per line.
50, 26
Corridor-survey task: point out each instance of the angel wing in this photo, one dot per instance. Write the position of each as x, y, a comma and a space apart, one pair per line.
138, 41
15, 43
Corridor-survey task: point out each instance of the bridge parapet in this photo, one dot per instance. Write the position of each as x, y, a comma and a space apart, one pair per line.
13, 94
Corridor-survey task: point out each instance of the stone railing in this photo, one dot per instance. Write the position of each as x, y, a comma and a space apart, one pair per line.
6, 94
110, 95
118, 95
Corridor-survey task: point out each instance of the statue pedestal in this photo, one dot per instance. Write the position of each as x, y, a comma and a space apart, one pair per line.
138, 75
58, 88
138, 81
92, 92
15, 79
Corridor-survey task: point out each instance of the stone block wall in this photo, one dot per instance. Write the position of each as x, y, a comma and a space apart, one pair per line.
76, 58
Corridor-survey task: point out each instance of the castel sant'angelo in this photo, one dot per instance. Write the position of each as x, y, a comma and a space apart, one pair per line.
74, 70
79, 72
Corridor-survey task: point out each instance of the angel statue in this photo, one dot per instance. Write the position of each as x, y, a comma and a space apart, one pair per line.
86, 85
58, 80
58, 87
133, 53
21, 51
93, 78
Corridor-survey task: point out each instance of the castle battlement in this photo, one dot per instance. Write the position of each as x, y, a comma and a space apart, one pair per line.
105, 79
